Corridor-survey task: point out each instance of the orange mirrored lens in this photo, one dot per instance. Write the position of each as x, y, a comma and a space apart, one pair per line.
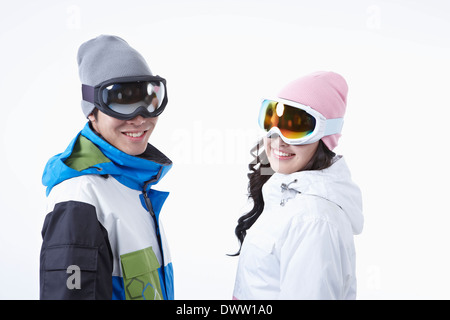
294, 123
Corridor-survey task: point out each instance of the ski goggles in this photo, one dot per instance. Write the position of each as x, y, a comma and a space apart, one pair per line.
296, 123
126, 98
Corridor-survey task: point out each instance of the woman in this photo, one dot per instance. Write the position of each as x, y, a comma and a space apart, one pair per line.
297, 241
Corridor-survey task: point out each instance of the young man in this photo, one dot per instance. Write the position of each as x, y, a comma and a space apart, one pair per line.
102, 238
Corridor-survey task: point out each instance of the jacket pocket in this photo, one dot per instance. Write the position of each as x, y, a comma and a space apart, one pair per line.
69, 272
141, 276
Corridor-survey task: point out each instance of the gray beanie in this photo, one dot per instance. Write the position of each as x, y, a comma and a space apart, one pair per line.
108, 57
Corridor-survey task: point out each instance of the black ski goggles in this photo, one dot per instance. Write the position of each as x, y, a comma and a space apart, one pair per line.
126, 98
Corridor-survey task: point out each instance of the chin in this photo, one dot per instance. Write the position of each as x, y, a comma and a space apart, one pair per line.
280, 168
133, 151
283, 171
138, 152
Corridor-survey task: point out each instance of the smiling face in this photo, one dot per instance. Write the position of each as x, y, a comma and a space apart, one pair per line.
285, 158
129, 136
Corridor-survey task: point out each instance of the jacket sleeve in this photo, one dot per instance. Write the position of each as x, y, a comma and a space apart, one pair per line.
76, 258
314, 263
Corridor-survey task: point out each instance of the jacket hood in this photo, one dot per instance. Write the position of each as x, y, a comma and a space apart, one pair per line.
90, 154
333, 184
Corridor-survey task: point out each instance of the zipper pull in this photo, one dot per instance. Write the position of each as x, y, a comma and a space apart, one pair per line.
148, 203
284, 188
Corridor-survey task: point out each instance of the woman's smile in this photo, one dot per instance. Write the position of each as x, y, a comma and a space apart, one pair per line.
286, 158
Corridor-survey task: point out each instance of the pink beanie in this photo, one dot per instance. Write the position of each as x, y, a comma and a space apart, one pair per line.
325, 92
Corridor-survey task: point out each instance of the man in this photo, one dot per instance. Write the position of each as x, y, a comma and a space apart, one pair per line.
102, 238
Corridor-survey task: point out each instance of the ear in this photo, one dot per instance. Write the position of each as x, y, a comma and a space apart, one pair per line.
91, 117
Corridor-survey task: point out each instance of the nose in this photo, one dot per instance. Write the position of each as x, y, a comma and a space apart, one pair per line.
276, 140
137, 121
273, 135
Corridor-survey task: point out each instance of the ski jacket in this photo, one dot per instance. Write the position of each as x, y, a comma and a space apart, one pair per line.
301, 246
102, 236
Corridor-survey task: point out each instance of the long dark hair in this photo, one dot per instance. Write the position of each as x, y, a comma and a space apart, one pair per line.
260, 172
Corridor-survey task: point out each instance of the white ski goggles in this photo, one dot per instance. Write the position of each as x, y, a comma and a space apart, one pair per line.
296, 123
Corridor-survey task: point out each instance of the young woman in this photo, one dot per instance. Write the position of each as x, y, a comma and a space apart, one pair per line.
297, 241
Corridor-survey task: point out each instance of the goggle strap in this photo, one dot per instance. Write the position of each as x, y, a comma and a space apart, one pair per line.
333, 126
88, 93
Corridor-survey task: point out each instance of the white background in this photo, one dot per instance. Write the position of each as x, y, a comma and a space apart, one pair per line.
220, 58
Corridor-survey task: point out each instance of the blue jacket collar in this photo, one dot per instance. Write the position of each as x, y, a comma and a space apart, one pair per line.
137, 173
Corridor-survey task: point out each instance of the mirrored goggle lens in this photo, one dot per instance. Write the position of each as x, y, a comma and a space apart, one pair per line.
126, 97
294, 123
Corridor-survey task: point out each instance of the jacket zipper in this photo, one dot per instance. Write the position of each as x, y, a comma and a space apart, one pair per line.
149, 206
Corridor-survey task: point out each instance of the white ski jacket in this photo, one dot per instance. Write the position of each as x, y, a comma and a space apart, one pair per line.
301, 246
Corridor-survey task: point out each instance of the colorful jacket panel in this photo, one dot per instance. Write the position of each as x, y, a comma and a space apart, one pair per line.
102, 237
